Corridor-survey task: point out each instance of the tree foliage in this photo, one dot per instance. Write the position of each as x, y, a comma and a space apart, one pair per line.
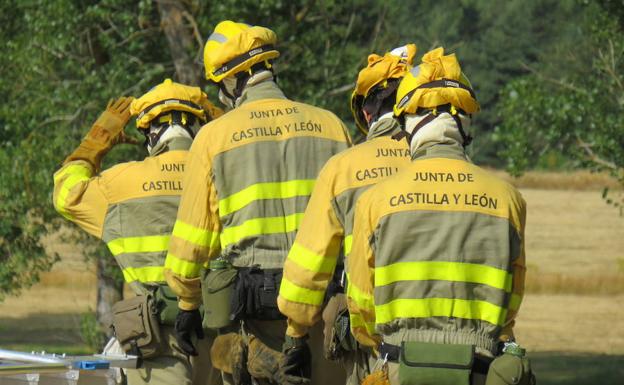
573, 105
63, 59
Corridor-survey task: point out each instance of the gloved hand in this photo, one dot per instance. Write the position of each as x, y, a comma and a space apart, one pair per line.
212, 111
188, 322
296, 365
106, 132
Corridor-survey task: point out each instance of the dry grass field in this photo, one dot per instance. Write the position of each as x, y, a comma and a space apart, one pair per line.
572, 318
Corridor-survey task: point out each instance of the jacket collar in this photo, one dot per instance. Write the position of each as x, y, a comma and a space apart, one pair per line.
264, 90
441, 150
178, 143
385, 125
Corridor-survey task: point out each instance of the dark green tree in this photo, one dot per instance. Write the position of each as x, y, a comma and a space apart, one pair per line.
572, 104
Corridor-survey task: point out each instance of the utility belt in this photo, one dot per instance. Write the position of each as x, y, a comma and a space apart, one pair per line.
137, 321
232, 293
453, 364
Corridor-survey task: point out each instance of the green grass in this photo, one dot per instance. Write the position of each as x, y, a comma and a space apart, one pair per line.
70, 349
577, 369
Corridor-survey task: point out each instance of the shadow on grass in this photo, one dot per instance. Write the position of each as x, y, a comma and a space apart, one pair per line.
54, 333
60, 333
559, 368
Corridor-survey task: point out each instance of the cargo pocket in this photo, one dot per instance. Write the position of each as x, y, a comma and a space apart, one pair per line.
217, 286
135, 322
440, 364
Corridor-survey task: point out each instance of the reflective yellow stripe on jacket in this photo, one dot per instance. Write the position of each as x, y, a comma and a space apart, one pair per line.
67, 178
269, 190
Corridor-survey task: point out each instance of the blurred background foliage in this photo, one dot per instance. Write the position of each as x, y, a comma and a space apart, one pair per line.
548, 74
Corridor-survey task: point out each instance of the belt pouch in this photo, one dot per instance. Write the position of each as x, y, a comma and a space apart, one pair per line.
255, 294
439, 364
135, 322
217, 287
167, 305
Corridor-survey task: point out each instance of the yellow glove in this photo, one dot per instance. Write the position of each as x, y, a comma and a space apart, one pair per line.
212, 111
107, 131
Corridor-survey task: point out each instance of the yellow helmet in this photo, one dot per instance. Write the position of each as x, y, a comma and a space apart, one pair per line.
235, 47
380, 69
437, 81
169, 96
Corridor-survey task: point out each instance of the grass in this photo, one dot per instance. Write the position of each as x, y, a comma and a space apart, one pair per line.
559, 368
575, 180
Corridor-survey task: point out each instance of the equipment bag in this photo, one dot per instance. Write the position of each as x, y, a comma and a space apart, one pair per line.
337, 334
217, 287
167, 304
439, 364
135, 323
511, 368
255, 294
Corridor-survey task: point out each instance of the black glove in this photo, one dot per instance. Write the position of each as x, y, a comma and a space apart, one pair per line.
187, 322
296, 365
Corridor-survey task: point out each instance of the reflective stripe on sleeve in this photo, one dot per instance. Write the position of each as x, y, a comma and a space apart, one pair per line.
311, 261
146, 244
361, 299
186, 269
195, 235
440, 307
348, 243
269, 190
294, 293
443, 271
77, 173
144, 274
358, 321
515, 302
260, 226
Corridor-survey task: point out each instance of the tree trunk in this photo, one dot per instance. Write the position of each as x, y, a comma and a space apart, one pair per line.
109, 291
183, 40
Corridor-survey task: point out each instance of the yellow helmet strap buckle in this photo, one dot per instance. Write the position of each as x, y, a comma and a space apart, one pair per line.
161, 123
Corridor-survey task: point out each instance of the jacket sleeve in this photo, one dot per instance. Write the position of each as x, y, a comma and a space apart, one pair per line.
79, 197
518, 278
195, 236
360, 275
311, 262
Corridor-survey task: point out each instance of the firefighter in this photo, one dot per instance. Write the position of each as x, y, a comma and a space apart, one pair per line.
314, 268
436, 272
249, 178
132, 207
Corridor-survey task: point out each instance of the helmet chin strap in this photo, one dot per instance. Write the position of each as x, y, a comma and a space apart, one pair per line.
430, 117
231, 88
165, 134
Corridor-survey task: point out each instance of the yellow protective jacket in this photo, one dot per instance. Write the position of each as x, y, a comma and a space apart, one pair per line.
328, 222
249, 178
438, 254
131, 206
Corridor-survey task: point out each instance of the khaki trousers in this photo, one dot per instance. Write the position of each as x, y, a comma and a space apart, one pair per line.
174, 367
271, 333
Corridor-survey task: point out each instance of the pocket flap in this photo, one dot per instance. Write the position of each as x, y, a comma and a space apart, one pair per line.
421, 354
216, 280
